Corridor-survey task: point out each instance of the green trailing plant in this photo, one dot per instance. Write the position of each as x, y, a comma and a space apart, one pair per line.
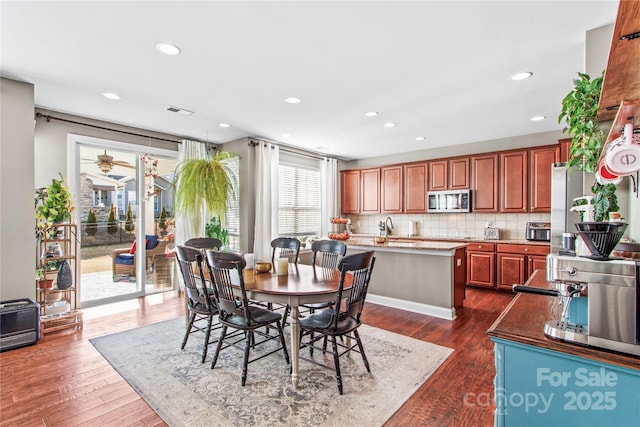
92, 223
580, 112
112, 225
202, 188
128, 221
54, 203
214, 229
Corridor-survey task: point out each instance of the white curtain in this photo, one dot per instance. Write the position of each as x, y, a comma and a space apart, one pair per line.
266, 215
187, 228
329, 190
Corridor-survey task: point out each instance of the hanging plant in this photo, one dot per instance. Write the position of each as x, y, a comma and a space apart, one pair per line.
203, 183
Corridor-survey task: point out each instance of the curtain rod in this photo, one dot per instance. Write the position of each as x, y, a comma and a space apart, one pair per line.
48, 118
254, 142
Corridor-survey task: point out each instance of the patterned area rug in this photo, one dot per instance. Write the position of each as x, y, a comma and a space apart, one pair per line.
185, 392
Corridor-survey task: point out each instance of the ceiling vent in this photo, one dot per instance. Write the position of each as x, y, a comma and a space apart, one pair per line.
179, 110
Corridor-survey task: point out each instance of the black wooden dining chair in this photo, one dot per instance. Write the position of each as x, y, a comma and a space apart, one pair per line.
342, 319
201, 301
285, 247
326, 254
235, 312
203, 243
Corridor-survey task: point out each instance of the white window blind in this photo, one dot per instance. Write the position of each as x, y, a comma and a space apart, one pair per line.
299, 201
232, 220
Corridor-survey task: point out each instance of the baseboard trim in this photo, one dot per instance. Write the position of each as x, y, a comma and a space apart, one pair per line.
430, 310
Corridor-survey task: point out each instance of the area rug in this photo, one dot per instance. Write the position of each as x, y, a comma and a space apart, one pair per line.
185, 392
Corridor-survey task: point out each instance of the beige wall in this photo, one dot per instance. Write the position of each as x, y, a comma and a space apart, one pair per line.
17, 218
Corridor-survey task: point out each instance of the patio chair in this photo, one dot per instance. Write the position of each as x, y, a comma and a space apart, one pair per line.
124, 259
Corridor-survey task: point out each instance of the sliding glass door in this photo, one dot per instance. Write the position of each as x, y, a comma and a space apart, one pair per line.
124, 198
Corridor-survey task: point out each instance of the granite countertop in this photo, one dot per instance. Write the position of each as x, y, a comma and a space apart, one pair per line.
523, 322
398, 238
416, 244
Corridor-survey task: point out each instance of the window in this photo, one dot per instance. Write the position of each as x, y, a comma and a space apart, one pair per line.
232, 217
299, 200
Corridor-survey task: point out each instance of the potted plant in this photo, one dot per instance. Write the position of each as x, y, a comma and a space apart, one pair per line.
214, 229
580, 112
203, 183
128, 222
162, 222
54, 205
43, 281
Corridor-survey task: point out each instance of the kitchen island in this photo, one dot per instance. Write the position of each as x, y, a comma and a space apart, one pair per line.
425, 277
543, 382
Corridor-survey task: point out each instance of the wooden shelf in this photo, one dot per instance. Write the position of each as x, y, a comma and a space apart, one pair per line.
55, 322
622, 79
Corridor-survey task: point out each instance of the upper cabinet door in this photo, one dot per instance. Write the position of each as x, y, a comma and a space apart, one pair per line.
438, 175
564, 149
391, 189
415, 188
459, 173
370, 190
350, 191
484, 183
513, 181
540, 162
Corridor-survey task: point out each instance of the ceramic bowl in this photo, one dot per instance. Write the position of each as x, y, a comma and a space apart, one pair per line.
263, 267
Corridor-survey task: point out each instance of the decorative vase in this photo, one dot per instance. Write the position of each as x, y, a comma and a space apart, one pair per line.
65, 275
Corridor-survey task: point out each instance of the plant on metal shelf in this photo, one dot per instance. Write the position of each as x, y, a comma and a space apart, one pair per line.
580, 112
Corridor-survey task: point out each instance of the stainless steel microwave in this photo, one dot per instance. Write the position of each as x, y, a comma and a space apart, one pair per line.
449, 201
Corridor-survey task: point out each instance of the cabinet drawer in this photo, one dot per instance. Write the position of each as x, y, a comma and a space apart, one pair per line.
523, 249
481, 247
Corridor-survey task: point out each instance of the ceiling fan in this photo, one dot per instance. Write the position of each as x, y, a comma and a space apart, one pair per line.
105, 163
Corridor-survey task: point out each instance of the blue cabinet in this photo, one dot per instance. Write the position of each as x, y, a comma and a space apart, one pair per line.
539, 387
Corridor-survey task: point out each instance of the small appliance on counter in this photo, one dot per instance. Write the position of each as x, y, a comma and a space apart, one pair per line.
20, 323
538, 231
607, 315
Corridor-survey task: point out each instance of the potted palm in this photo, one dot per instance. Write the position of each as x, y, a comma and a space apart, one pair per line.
580, 112
202, 188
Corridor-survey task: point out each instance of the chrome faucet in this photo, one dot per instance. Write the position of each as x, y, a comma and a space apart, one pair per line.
388, 226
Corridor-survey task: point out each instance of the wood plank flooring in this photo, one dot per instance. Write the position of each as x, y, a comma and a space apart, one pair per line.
64, 381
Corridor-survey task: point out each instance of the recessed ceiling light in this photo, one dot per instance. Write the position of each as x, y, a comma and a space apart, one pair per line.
420, 138
522, 76
286, 135
371, 114
111, 95
224, 125
389, 125
168, 48
293, 100
538, 118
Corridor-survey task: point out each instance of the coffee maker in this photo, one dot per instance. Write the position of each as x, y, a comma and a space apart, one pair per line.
600, 302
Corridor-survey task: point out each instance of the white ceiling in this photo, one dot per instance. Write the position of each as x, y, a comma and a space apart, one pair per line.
438, 69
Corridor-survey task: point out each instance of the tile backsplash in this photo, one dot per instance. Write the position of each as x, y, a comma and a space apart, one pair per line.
456, 225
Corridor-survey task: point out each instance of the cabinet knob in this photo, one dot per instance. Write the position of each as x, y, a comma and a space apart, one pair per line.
479, 246
526, 249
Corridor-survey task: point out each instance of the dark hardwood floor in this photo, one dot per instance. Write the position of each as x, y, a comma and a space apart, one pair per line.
64, 381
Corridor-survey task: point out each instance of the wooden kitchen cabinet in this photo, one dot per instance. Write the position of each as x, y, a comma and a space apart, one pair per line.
350, 191
370, 190
541, 161
481, 264
391, 186
564, 149
438, 175
485, 183
415, 187
459, 173
449, 174
515, 263
513, 181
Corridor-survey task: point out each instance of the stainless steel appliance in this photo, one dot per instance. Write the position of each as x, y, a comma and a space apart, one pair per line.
449, 201
600, 301
538, 231
565, 186
20, 323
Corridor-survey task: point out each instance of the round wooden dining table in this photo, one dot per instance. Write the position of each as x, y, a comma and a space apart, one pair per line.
304, 284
